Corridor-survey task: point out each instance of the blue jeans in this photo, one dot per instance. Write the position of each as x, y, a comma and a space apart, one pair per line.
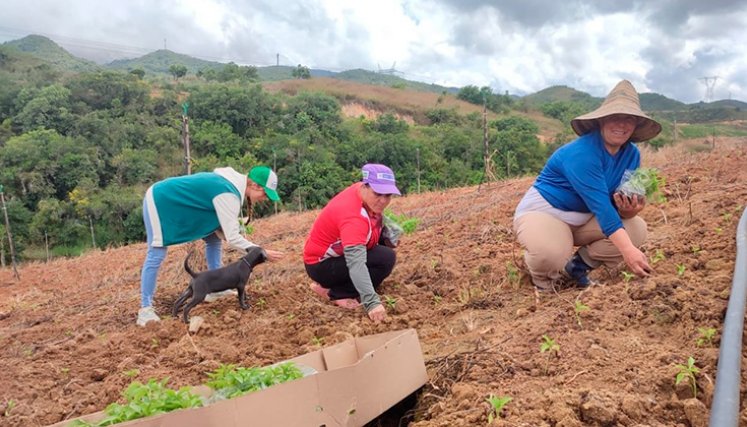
155, 256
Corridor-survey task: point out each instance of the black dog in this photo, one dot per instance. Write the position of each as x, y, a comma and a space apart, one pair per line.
232, 276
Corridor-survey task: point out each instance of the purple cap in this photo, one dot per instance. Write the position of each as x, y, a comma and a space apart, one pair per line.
380, 178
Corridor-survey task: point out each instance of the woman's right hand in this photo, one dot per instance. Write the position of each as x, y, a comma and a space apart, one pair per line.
274, 255
377, 314
637, 261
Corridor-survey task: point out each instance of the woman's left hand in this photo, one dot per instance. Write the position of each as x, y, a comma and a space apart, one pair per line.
628, 207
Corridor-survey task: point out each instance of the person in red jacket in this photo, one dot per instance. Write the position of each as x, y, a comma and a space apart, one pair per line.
342, 253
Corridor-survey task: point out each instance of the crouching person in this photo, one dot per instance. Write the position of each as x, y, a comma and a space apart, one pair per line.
574, 201
343, 254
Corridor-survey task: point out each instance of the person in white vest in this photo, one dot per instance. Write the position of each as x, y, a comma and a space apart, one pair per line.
203, 206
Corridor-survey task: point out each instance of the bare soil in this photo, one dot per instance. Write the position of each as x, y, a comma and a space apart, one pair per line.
69, 344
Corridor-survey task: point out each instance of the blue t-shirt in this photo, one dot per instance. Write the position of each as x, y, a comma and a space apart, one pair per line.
582, 175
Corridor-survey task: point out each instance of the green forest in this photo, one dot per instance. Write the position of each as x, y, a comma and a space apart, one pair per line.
78, 149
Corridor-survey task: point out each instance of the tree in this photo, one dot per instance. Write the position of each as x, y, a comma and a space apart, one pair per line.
178, 71
49, 108
519, 150
138, 72
98, 91
301, 72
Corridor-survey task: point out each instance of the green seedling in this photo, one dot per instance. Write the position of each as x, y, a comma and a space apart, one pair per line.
645, 181
658, 256
706, 336
261, 304
513, 274
64, 371
496, 406
437, 299
317, 341
291, 316
230, 381
9, 405
578, 308
687, 373
550, 346
726, 217
390, 302
627, 277
131, 373
408, 224
695, 249
248, 229
144, 400
718, 230
681, 269
154, 342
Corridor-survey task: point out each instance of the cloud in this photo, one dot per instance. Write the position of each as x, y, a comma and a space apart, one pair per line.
520, 46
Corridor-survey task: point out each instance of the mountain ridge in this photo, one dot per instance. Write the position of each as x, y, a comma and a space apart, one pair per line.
158, 62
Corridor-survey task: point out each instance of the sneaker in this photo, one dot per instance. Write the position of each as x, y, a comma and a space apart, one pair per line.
145, 315
222, 294
578, 271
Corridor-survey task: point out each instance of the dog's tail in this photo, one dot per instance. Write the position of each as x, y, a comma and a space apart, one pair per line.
186, 264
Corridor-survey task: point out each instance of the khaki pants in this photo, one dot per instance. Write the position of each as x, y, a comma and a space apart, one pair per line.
549, 244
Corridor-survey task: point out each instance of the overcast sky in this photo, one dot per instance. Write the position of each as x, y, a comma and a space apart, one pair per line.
519, 46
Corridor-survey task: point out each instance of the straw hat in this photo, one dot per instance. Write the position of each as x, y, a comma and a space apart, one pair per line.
622, 100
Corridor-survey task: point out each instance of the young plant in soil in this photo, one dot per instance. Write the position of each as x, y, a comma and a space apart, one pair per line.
9, 405
578, 308
687, 373
513, 275
627, 277
706, 336
658, 256
144, 400
550, 346
681, 269
391, 303
496, 406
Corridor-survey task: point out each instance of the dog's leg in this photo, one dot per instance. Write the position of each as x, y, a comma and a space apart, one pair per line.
180, 301
197, 297
242, 296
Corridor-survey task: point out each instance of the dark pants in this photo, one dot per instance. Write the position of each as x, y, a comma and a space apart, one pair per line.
333, 273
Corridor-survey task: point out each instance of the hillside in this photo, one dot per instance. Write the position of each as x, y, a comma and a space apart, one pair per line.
561, 94
158, 62
70, 344
45, 49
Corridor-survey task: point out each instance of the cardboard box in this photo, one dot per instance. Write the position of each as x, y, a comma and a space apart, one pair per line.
356, 381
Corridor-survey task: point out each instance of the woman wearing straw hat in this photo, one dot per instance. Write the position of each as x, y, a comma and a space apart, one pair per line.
203, 206
573, 201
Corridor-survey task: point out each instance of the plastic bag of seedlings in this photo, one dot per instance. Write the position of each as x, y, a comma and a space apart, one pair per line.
642, 182
391, 232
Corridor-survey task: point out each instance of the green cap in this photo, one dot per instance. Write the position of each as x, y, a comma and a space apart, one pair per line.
264, 176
